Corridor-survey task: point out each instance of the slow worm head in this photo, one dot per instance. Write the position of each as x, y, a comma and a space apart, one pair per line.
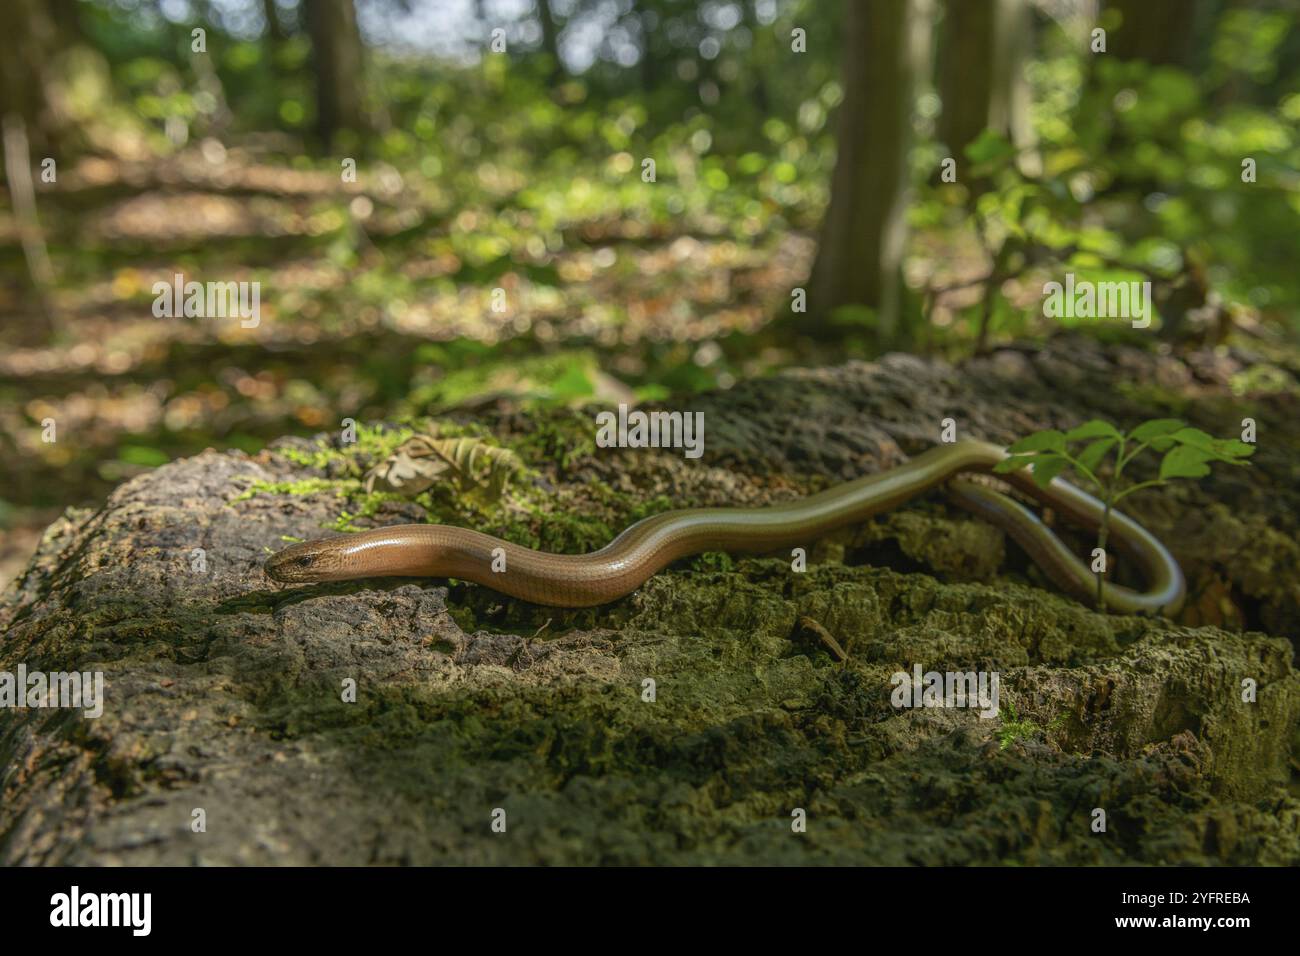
648, 546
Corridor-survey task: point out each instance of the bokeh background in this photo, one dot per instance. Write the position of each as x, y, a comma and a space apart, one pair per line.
522, 171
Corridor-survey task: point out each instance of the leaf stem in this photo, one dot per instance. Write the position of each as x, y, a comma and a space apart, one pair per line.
1138, 487
1083, 470
1121, 461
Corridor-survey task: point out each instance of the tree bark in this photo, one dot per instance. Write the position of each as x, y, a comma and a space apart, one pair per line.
337, 58
982, 82
864, 232
1158, 32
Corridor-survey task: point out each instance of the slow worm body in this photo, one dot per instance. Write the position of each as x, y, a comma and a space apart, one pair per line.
648, 546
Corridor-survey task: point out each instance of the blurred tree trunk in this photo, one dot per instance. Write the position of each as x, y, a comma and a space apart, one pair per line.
982, 80
22, 199
273, 39
337, 60
550, 37
864, 232
209, 79
27, 48
649, 60
1157, 31
274, 32
762, 101
29, 121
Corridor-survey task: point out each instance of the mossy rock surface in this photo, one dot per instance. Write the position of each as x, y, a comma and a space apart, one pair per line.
225, 693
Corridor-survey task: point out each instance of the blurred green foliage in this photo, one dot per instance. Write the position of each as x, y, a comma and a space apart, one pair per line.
502, 173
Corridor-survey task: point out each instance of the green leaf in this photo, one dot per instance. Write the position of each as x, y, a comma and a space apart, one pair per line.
989, 147
1013, 463
1092, 456
1155, 428
1195, 438
1093, 429
1185, 461
1232, 448
1046, 468
1047, 440
1229, 449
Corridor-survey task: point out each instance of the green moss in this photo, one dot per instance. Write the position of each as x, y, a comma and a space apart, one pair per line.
1262, 379
367, 506
558, 531
303, 486
361, 504
530, 513
713, 561
317, 458
642, 508
373, 443
560, 437
1159, 401
1014, 728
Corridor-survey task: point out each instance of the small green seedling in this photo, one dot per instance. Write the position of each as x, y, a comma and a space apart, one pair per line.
1106, 452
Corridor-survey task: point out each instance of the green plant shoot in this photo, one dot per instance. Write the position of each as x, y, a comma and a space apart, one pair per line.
1099, 453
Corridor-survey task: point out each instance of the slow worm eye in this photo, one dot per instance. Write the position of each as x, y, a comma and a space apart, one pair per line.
305, 561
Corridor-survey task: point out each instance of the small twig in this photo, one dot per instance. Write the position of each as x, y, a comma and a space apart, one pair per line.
992, 283
808, 626
958, 286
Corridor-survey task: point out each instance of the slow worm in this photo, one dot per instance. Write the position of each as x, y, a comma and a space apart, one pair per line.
648, 546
